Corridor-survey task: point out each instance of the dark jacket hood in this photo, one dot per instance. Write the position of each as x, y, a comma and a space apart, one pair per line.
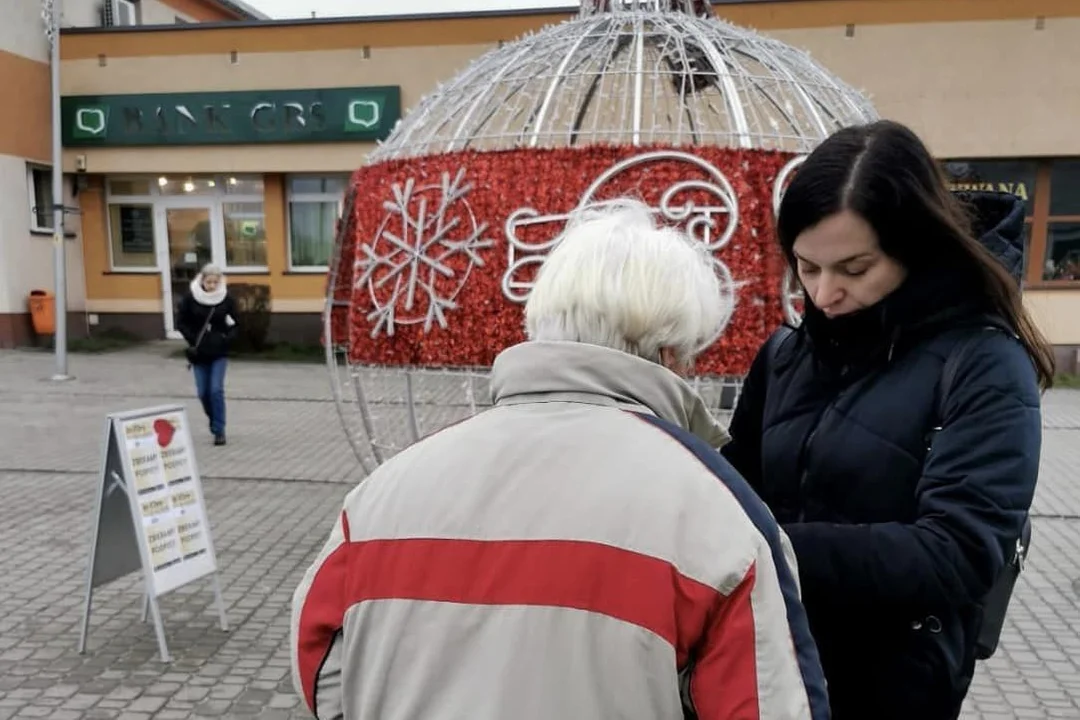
998, 223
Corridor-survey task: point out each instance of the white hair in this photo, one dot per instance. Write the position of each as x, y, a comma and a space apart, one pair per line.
211, 270
619, 280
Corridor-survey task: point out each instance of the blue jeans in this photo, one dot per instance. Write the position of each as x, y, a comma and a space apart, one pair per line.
210, 384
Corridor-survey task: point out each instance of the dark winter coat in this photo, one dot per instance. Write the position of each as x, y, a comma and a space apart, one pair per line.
219, 334
897, 543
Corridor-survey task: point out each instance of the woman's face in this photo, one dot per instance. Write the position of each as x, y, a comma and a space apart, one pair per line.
842, 267
210, 282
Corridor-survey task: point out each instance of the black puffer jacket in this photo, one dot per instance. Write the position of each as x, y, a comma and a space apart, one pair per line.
220, 332
897, 543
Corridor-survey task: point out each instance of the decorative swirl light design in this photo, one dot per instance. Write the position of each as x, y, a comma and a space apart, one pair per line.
700, 221
791, 292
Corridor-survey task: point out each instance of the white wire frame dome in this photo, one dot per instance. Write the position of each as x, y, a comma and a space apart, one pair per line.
640, 73
650, 73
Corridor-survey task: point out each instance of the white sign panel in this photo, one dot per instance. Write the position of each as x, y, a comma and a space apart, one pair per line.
150, 513
167, 502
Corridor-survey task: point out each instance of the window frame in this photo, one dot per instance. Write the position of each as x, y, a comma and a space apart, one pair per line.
219, 202
119, 199
158, 200
132, 7
1039, 221
31, 192
1041, 231
312, 198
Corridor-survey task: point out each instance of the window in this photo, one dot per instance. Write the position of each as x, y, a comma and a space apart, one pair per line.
39, 187
1062, 257
130, 187
245, 234
314, 209
131, 235
127, 13
188, 186
244, 221
231, 207
130, 219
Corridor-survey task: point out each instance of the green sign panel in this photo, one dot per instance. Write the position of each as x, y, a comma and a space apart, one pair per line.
231, 118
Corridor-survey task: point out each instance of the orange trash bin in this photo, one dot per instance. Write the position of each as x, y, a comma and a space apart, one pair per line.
42, 312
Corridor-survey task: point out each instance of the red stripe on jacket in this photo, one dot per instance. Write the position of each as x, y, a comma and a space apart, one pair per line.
725, 683
324, 611
635, 588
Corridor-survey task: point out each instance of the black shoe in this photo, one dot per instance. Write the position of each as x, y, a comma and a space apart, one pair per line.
219, 439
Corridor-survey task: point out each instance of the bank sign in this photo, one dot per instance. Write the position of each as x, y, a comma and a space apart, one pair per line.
231, 118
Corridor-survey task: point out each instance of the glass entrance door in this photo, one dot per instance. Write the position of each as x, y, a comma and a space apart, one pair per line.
189, 241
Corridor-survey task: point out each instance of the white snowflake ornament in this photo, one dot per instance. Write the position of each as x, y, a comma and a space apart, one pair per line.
414, 269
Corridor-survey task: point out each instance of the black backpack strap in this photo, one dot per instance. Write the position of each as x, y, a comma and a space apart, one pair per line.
996, 602
772, 345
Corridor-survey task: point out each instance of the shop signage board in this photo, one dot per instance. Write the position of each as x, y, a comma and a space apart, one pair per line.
1016, 177
309, 115
150, 513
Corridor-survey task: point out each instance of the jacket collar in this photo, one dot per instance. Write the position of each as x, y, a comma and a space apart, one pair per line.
577, 372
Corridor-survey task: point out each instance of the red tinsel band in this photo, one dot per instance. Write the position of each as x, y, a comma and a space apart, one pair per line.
394, 218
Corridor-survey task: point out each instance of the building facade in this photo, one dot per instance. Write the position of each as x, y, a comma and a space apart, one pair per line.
233, 142
25, 142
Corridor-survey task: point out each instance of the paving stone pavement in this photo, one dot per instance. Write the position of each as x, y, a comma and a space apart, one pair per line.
272, 494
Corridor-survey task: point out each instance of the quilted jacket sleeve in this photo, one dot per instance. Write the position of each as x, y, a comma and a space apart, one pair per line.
977, 486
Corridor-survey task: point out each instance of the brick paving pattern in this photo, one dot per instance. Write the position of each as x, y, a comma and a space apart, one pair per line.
272, 494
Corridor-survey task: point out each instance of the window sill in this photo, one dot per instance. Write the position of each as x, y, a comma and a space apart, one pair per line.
45, 232
133, 271
1053, 285
230, 273
307, 271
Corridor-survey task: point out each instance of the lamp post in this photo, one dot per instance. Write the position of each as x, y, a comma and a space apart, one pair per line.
51, 15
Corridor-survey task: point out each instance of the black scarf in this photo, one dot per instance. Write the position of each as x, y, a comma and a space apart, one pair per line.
924, 303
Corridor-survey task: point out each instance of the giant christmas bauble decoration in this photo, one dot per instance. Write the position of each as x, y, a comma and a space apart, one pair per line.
447, 223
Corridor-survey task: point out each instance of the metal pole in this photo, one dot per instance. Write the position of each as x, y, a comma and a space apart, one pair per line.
59, 251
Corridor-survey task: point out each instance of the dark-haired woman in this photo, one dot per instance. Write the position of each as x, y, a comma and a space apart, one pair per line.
903, 493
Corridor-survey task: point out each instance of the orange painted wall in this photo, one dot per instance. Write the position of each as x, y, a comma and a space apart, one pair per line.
25, 132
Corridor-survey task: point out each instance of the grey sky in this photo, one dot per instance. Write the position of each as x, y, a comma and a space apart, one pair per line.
338, 8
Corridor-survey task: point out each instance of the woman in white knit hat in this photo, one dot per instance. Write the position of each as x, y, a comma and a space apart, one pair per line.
207, 320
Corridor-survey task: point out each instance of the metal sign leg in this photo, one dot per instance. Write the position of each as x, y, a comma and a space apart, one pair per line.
145, 607
220, 603
85, 628
159, 629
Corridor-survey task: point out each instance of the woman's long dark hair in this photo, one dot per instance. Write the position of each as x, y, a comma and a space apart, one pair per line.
883, 172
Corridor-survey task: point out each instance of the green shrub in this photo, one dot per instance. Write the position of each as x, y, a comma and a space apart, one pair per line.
253, 311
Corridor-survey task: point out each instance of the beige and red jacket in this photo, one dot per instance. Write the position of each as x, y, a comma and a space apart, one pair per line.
578, 552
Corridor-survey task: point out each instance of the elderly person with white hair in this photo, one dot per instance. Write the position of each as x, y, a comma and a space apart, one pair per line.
207, 320
580, 550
